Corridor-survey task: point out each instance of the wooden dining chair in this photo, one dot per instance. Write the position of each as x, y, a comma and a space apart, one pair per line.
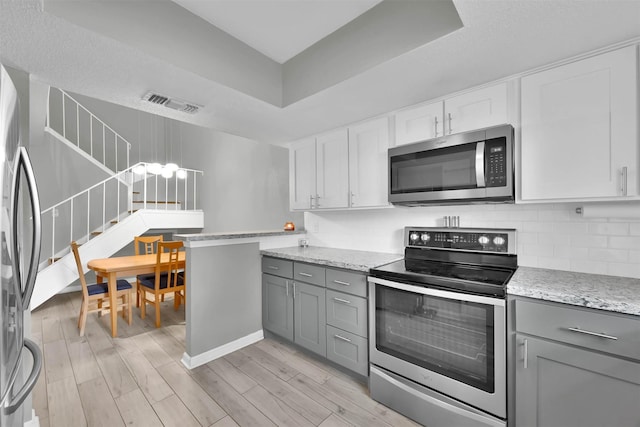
167, 279
145, 245
96, 297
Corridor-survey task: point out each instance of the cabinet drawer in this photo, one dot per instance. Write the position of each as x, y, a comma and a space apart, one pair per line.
347, 312
345, 281
277, 267
309, 273
615, 334
348, 350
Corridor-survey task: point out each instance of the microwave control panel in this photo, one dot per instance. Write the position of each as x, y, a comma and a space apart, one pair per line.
496, 162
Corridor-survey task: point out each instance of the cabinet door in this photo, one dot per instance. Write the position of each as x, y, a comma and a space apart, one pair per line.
368, 170
567, 386
476, 110
332, 166
277, 306
310, 318
579, 129
419, 123
302, 174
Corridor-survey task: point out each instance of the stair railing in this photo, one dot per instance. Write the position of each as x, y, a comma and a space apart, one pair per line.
90, 212
84, 129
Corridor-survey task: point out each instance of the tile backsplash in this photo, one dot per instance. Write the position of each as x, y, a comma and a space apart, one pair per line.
550, 236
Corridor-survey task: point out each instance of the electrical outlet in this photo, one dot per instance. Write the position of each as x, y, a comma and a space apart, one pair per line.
303, 242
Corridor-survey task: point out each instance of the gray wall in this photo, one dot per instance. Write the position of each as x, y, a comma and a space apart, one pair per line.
245, 184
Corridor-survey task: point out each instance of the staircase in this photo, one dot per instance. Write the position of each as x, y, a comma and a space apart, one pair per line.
105, 217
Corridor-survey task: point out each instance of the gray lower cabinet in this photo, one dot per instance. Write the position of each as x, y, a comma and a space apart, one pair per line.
310, 318
277, 306
321, 309
575, 367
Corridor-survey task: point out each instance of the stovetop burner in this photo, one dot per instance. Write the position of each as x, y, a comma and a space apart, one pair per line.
477, 261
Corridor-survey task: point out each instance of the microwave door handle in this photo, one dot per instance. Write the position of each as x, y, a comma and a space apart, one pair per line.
480, 164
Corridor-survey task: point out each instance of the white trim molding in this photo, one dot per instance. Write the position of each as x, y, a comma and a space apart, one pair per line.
192, 362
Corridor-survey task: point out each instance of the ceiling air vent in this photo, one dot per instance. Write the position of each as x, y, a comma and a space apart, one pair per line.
173, 103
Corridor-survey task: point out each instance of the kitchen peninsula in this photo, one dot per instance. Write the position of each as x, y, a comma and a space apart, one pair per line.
222, 312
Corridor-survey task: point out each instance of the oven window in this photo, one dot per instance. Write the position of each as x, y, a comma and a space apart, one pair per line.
453, 338
451, 168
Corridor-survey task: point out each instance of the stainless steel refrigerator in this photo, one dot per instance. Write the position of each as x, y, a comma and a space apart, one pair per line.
20, 358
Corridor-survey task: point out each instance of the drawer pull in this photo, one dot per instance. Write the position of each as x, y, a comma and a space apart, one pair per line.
306, 274
343, 301
342, 338
273, 267
595, 334
340, 282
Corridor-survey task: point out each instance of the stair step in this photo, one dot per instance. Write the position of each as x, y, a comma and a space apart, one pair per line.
160, 202
133, 211
96, 233
135, 192
115, 221
52, 260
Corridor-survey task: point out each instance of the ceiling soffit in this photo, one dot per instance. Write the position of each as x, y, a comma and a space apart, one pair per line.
163, 29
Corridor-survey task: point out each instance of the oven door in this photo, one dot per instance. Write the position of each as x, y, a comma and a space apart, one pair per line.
451, 342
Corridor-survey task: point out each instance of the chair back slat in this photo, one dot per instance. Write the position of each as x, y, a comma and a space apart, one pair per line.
83, 281
170, 250
147, 243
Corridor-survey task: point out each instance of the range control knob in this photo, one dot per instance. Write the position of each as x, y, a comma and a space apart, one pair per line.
425, 237
483, 240
499, 241
413, 237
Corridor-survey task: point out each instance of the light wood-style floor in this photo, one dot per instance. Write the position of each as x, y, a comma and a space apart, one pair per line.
137, 379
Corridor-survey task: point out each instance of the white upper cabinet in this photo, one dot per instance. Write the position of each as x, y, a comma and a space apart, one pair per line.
579, 135
368, 175
477, 109
419, 123
302, 174
332, 170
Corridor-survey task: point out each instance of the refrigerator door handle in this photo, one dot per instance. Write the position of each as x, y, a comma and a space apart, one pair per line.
17, 400
24, 164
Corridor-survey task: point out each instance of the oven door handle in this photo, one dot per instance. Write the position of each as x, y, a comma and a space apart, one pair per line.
459, 296
480, 164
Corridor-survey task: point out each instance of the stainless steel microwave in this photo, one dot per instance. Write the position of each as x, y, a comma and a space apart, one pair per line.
470, 167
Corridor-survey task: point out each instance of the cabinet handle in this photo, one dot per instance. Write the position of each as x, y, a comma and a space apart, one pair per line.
311, 201
287, 287
306, 274
294, 289
595, 334
273, 267
343, 301
623, 181
525, 354
450, 130
317, 201
352, 196
435, 124
340, 282
342, 338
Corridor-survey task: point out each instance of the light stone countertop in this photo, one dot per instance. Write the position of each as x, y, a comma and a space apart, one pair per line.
331, 257
234, 235
610, 293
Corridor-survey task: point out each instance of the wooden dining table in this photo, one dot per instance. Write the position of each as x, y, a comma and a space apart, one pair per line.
114, 267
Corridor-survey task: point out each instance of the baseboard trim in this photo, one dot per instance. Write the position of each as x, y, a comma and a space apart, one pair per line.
34, 421
192, 362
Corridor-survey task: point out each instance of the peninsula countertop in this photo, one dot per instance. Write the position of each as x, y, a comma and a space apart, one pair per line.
234, 235
331, 257
610, 293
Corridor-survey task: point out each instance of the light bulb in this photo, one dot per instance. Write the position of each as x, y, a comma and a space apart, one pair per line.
154, 168
181, 174
171, 166
140, 170
167, 173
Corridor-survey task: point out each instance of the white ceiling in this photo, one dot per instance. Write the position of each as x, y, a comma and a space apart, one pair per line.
499, 38
279, 29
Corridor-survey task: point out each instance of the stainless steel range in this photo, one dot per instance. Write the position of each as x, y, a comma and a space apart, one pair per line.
437, 324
